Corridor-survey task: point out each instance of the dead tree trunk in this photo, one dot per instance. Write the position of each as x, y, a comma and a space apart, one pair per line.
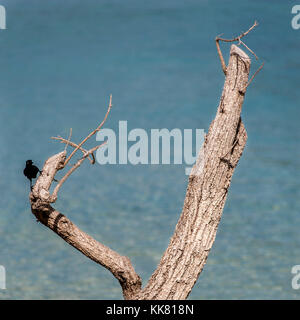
206, 194
207, 190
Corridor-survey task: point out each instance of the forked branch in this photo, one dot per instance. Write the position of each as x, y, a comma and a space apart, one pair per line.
207, 190
238, 38
74, 167
41, 199
74, 145
92, 133
86, 153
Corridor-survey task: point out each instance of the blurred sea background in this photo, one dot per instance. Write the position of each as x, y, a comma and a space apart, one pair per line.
59, 62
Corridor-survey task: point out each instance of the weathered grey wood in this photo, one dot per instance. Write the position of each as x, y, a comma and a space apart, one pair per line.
40, 198
206, 194
207, 190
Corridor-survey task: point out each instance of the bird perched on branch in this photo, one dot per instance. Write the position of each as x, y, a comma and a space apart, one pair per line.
31, 171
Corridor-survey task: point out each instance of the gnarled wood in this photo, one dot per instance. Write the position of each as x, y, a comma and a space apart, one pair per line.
40, 199
206, 194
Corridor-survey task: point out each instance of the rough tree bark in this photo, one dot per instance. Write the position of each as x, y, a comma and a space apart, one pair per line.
207, 190
196, 229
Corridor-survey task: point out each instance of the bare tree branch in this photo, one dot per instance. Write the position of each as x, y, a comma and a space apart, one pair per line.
186, 255
92, 133
255, 74
69, 139
240, 36
74, 145
218, 39
207, 190
40, 198
75, 166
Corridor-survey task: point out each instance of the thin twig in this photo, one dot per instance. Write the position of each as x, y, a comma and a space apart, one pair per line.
240, 36
92, 133
75, 166
256, 57
70, 135
74, 145
223, 64
256, 72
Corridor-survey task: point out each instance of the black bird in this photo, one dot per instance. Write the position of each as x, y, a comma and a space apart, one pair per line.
31, 171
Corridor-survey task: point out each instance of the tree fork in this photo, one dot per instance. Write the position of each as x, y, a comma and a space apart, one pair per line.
206, 194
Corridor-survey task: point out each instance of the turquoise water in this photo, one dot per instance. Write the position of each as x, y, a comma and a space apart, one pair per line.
59, 62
